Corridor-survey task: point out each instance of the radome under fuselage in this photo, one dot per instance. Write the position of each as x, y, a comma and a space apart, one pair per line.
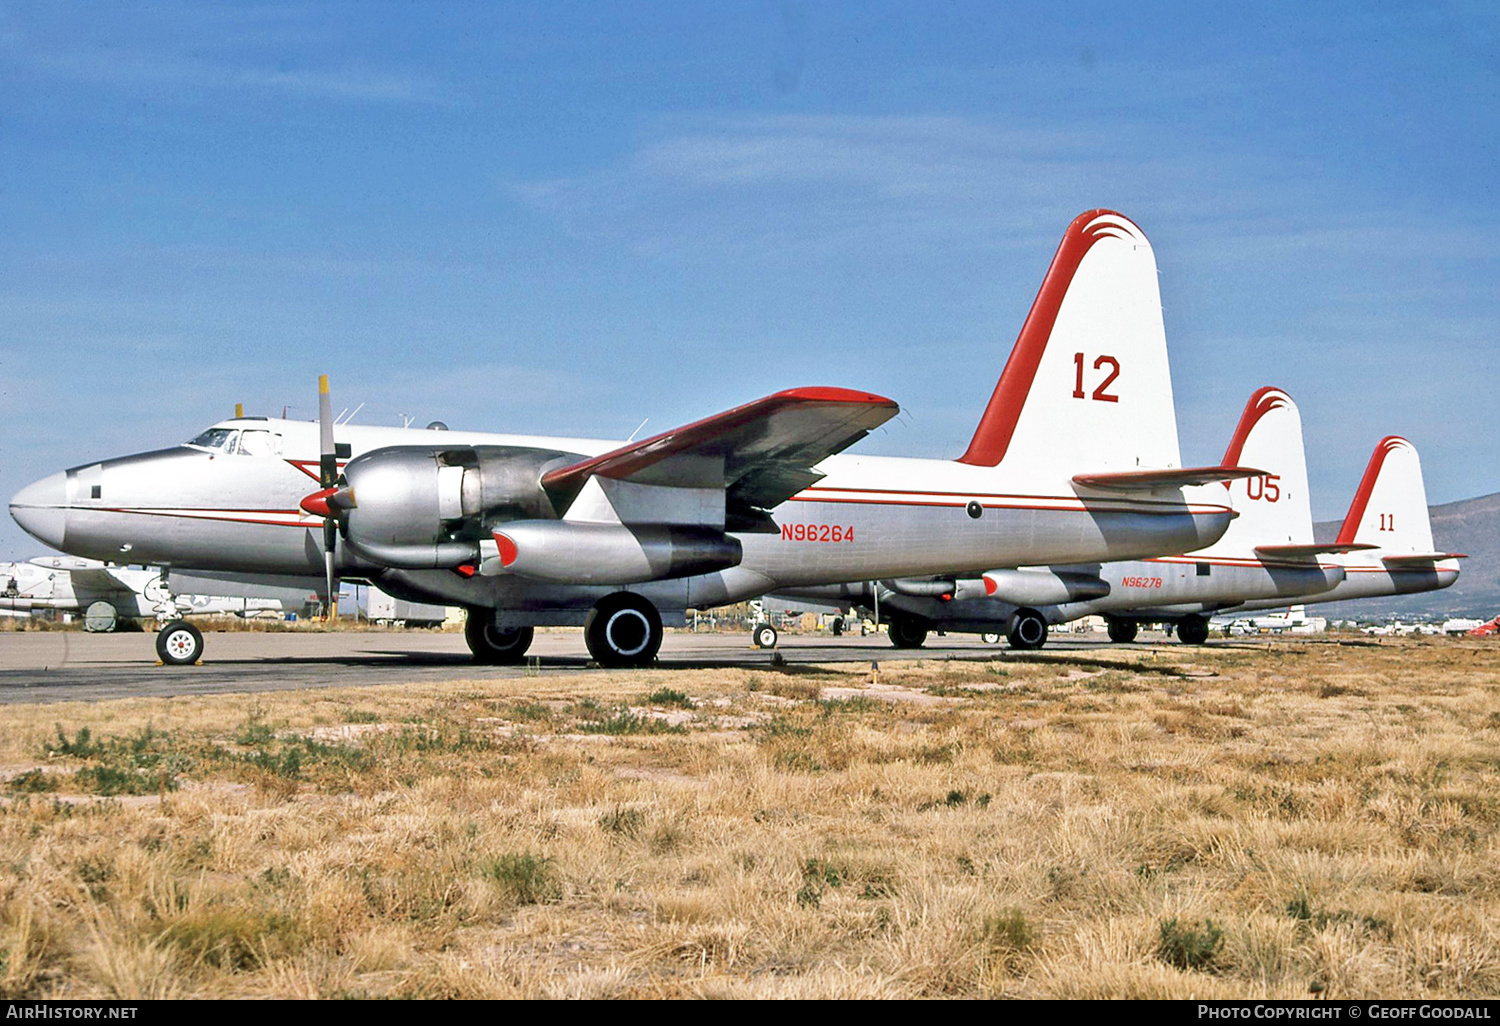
869, 518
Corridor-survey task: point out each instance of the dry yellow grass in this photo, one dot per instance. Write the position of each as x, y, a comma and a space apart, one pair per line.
1236, 821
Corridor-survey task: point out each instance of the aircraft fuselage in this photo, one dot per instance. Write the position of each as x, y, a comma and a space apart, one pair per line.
194, 507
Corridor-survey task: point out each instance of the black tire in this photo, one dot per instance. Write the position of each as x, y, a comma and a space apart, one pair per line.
1123, 632
907, 632
495, 646
1192, 630
179, 643
990, 638
623, 630
764, 635
1027, 630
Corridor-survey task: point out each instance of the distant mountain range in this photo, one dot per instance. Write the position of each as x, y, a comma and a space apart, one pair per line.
1469, 525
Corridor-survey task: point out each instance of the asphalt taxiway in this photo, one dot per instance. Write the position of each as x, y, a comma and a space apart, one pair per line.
69, 666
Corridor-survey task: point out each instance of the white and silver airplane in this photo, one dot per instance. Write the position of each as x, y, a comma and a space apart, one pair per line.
1075, 460
1387, 534
1267, 552
1265, 560
108, 595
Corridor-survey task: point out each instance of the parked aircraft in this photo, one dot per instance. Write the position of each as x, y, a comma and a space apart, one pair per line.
1389, 533
1488, 629
1075, 460
1293, 620
107, 594
1267, 552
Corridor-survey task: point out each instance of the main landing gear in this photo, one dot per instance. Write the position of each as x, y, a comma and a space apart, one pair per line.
1192, 630
1122, 632
907, 632
1027, 630
623, 630
763, 635
495, 646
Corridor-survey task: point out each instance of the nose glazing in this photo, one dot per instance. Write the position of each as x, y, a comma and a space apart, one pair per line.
41, 508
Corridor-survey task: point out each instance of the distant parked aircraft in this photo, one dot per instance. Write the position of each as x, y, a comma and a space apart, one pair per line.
1486, 630
1389, 533
108, 595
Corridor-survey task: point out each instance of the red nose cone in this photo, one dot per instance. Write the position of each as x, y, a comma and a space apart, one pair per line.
317, 503
989, 586
507, 549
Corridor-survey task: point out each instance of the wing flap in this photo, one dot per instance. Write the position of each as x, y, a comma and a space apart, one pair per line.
1144, 480
762, 453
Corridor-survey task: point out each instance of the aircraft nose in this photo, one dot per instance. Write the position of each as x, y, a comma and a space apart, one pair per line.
41, 508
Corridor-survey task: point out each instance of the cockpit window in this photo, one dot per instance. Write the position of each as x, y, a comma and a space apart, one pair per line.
260, 443
216, 440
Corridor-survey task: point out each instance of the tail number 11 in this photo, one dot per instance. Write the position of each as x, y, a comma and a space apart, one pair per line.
1099, 392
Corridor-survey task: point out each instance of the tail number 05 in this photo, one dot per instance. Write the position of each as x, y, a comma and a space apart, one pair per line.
1099, 391
1264, 487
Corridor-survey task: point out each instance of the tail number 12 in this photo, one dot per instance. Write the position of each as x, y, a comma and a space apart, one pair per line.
1099, 392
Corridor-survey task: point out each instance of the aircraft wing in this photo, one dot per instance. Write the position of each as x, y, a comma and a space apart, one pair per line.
761, 453
1295, 551
1144, 480
98, 579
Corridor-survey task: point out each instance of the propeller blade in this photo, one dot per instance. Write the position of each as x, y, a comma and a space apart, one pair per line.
328, 467
328, 473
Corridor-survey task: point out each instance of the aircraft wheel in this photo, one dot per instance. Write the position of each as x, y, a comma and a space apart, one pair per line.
764, 635
495, 646
1123, 632
1028, 630
179, 643
100, 617
623, 630
906, 632
990, 638
1193, 630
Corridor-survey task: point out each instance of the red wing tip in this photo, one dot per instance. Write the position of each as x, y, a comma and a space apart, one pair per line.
829, 394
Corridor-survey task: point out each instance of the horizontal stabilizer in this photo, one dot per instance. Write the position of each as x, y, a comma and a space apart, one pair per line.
762, 453
1417, 558
1141, 480
1295, 551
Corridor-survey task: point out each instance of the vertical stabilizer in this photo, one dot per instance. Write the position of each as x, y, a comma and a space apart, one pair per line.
1390, 508
1087, 385
1273, 508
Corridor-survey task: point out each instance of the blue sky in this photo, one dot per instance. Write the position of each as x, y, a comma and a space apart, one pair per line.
565, 218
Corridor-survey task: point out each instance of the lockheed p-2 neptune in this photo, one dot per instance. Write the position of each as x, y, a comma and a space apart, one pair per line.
1075, 460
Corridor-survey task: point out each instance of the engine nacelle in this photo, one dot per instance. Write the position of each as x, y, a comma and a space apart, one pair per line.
1043, 587
585, 553
420, 507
